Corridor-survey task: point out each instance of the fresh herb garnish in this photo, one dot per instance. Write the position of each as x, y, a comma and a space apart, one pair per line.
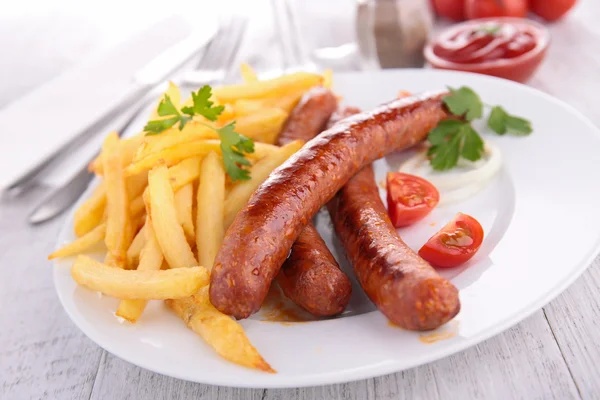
490, 29
455, 138
234, 146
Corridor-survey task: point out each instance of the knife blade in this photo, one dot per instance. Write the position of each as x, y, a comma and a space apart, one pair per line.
143, 82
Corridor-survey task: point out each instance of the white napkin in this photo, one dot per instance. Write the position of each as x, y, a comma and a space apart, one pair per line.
44, 120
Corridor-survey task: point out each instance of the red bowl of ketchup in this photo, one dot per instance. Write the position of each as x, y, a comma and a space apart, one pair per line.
510, 48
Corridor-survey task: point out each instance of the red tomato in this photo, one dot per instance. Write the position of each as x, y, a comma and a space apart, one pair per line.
455, 244
409, 198
453, 9
551, 10
495, 8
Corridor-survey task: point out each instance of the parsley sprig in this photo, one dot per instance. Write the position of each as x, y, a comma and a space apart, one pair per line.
234, 146
455, 138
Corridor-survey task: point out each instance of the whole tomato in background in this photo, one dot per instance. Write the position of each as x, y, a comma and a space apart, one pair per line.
496, 8
452, 9
551, 10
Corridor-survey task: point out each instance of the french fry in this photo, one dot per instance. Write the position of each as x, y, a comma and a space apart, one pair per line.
136, 184
210, 211
192, 131
239, 195
169, 232
180, 152
285, 103
328, 78
281, 86
82, 243
185, 172
135, 248
132, 284
136, 207
248, 74
245, 107
128, 148
119, 229
151, 259
263, 125
184, 199
220, 331
89, 215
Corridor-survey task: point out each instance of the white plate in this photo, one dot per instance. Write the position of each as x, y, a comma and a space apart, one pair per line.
542, 224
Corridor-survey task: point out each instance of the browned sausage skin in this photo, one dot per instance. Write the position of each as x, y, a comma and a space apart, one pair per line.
262, 234
405, 288
310, 276
309, 117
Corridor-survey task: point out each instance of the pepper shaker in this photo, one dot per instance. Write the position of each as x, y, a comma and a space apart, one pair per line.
393, 33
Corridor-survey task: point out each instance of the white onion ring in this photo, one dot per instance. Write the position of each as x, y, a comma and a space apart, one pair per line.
457, 186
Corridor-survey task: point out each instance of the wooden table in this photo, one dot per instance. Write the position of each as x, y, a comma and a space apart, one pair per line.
551, 355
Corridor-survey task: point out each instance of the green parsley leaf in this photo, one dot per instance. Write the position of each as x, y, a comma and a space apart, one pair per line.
464, 102
472, 145
233, 147
490, 29
159, 125
202, 105
451, 141
497, 120
501, 122
166, 107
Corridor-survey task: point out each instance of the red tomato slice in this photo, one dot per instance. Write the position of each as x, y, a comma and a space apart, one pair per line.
455, 243
409, 198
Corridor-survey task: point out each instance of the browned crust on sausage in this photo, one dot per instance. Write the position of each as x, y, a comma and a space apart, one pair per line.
309, 117
407, 290
262, 234
310, 276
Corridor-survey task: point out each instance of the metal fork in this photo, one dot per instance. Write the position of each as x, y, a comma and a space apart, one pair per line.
213, 67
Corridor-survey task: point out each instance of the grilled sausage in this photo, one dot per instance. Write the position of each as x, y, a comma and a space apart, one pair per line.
310, 276
405, 288
309, 117
261, 236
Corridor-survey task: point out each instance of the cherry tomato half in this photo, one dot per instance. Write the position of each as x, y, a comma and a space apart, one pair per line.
409, 198
455, 243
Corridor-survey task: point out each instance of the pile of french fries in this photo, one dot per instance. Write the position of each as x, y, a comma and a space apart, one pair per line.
165, 202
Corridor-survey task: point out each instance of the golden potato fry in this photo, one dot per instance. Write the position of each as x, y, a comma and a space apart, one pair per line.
90, 214
248, 74
285, 103
163, 213
220, 331
281, 86
82, 243
151, 259
175, 96
135, 248
210, 211
184, 199
245, 107
185, 172
180, 152
328, 78
136, 207
132, 284
192, 131
136, 184
240, 193
263, 125
128, 149
119, 228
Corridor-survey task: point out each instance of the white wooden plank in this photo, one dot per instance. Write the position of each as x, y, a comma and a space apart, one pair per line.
42, 354
575, 321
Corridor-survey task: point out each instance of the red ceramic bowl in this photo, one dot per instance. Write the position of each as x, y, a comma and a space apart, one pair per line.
519, 68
